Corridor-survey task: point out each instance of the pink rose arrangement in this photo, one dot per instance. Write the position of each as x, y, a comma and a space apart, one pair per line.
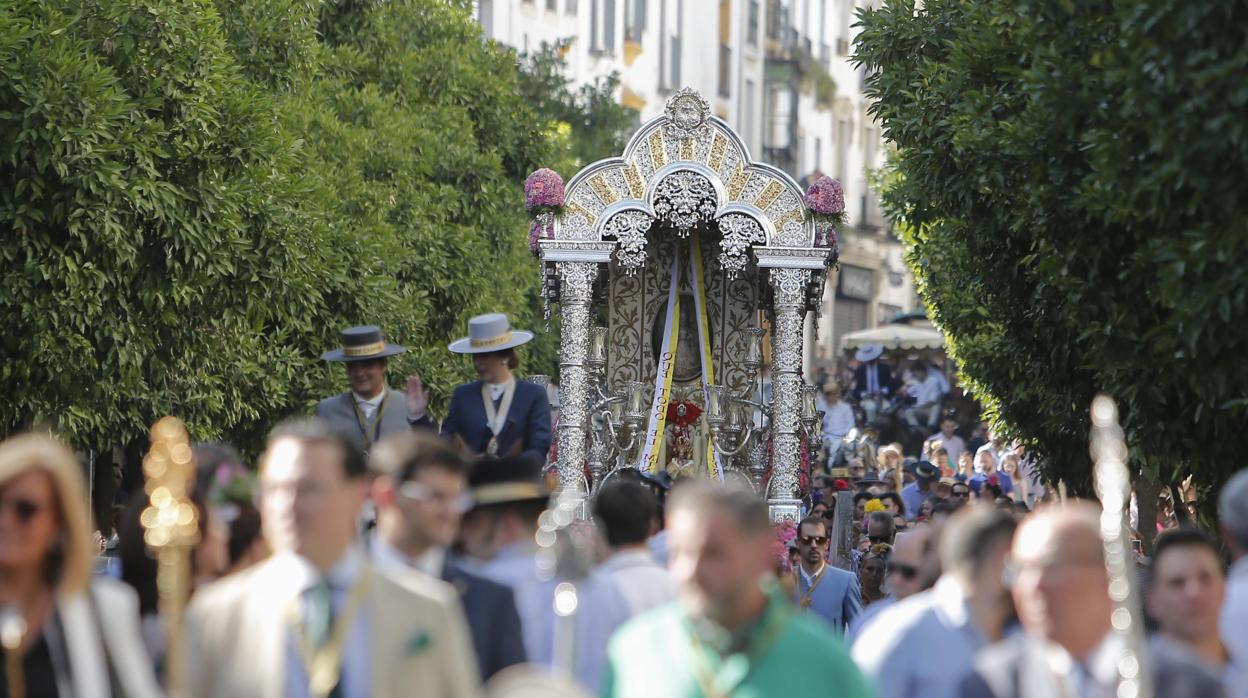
543, 199
826, 200
785, 532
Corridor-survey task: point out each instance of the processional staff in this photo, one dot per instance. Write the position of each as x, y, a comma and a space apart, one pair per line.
1113, 485
171, 525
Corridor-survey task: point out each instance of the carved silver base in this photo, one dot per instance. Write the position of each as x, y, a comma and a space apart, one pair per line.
782, 510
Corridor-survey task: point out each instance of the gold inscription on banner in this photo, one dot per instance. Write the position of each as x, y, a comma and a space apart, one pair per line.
636, 187
686, 149
604, 191
719, 148
658, 149
575, 209
771, 192
736, 185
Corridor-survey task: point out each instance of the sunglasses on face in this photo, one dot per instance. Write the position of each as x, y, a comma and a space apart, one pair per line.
418, 492
813, 540
961, 493
23, 509
904, 571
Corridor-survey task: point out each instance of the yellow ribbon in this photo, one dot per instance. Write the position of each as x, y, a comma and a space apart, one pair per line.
704, 345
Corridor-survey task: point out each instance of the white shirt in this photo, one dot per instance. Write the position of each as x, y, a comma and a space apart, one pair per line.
644, 583
388, 557
356, 654
928, 391
369, 406
497, 390
953, 444
837, 421
1097, 676
1233, 622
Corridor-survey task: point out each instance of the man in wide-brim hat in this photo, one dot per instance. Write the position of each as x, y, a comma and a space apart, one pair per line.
370, 410
497, 414
872, 378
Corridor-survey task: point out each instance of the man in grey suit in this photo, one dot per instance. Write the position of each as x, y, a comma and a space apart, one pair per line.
1069, 648
369, 411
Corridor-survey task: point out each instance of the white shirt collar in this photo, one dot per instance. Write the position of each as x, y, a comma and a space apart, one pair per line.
372, 402
389, 557
497, 389
809, 578
341, 576
631, 557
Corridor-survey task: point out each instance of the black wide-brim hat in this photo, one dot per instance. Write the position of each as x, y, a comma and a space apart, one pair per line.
511, 480
363, 343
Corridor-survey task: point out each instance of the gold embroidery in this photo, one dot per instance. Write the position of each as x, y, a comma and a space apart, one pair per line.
658, 148
686, 149
719, 148
737, 184
636, 188
575, 209
604, 191
771, 192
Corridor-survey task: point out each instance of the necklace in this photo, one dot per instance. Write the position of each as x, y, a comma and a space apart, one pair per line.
775, 621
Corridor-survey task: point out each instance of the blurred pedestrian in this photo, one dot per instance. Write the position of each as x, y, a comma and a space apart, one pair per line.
1185, 593
498, 536
1069, 647
626, 511
72, 634
732, 633
421, 492
318, 618
1233, 515
924, 645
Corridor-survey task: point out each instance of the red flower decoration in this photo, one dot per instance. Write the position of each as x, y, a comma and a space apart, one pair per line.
840, 485
691, 413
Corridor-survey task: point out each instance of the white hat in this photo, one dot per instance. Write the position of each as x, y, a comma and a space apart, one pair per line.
869, 352
487, 333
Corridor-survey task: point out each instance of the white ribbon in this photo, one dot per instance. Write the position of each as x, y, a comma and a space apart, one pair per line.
663, 377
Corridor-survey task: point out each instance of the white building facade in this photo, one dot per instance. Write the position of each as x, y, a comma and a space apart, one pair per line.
779, 73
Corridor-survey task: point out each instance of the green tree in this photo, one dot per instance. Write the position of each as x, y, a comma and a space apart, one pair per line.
585, 123
1071, 176
198, 196
157, 257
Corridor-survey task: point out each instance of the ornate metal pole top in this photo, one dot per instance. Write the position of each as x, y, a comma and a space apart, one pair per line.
1113, 485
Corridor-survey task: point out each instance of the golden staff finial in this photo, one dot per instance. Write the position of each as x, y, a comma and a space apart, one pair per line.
171, 523
1113, 485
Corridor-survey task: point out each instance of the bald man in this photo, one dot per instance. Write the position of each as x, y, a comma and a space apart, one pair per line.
1061, 592
904, 578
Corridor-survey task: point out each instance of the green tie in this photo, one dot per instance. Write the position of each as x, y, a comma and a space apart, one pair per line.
320, 613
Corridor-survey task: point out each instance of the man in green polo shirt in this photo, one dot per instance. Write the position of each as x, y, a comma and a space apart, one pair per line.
732, 632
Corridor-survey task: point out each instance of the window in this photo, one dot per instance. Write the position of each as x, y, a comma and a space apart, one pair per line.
608, 25
570, 7
485, 16
748, 118
818, 156
634, 20
842, 148
725, 48
751, 25
552, 5
669, 45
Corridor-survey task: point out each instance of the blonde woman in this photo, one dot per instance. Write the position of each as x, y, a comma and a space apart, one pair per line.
81, 637
1009, 463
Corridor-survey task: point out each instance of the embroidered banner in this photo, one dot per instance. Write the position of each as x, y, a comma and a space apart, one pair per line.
663, 377
713, 465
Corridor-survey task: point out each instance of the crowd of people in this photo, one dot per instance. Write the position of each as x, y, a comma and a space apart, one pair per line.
374, 551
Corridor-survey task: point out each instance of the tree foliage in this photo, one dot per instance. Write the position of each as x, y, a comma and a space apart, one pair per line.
197, 197
1071, 176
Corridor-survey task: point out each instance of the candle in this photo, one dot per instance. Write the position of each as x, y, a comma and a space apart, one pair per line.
715, 405
598, 345
753, 347
809, 407
636, 399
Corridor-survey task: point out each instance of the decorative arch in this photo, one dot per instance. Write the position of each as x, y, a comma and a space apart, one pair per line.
685, 168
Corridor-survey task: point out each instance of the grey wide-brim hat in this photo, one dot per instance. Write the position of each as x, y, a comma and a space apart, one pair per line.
869, 352
487, 333
362, 343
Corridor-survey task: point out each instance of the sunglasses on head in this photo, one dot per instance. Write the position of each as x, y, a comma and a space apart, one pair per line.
813, 540
23, 509
906, 571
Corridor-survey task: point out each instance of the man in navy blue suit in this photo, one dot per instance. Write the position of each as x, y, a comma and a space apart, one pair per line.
497, 415
421, 493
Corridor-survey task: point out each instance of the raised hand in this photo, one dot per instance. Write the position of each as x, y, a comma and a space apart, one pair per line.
417, 397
